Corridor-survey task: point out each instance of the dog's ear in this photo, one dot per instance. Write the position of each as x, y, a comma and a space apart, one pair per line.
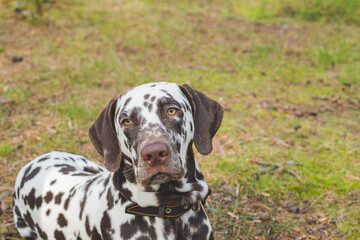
103, 136
208, 115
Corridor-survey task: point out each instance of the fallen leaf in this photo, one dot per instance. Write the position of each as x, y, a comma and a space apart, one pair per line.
51, 130
265, 194
233, 215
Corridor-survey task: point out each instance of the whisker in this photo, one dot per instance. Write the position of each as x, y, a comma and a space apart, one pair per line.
128, 170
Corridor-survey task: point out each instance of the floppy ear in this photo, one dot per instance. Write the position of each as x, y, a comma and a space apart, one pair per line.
208, 115
103, 136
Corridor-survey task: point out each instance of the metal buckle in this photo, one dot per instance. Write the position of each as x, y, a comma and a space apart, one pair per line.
197, 207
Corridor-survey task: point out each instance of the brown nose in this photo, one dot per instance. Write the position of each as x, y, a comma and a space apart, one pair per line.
155, 154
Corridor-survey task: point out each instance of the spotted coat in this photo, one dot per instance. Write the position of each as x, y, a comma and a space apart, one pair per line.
145, 137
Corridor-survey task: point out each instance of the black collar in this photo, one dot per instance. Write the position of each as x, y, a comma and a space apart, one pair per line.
165, 211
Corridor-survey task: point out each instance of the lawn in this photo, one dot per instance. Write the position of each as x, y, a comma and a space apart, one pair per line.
286, 160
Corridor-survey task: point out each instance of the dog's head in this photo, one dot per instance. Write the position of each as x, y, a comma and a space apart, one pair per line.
146, 132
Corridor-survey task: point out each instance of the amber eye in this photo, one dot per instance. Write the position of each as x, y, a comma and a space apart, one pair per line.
172, 111
127, 122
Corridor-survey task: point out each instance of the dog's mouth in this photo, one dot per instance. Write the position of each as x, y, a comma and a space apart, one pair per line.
159, 178
162, 177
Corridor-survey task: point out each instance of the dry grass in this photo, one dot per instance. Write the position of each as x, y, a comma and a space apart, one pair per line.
290, 89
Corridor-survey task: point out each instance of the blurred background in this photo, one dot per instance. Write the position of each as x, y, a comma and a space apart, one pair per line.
286, 160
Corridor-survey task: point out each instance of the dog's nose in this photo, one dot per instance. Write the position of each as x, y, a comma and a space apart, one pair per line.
155, 154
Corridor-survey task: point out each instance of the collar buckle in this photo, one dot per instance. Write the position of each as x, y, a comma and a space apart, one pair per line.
165, 211
197, 207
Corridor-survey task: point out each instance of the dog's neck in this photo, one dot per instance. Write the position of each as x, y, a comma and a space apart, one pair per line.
188, 190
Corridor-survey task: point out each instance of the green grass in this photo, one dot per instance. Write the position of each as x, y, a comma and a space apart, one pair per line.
5, 149
346, 11
286, 72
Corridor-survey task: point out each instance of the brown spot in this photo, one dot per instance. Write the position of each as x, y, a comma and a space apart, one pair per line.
53, 182
38, 202
87, 226
31, 198
58, 198
62, 220
82, 205
48, 212
28, 219
65, 168
146, 96
95, 235
105, 226
203, 231
27, 177
127, 101
143, 238
41, 233
129, 229
81, 174
48, 197
67, 201
110, 199
91, 170
43, 159
20, 221
59, 235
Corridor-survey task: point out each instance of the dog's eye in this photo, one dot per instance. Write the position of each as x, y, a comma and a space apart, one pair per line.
172, 111
126, 122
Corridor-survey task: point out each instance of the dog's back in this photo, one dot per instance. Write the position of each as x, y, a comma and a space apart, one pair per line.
52, 189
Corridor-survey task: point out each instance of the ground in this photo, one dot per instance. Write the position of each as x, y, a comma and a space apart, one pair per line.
286, 160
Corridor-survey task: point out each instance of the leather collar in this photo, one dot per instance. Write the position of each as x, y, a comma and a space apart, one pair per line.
165, 211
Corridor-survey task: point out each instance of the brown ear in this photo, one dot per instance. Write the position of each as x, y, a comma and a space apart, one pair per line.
103, 136
208, 115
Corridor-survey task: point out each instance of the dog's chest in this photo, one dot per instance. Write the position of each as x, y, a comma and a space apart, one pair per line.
78, 195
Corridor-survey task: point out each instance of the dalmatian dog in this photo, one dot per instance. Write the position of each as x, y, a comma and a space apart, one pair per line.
151, 186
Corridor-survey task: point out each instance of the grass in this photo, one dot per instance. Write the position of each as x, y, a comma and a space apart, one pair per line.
286, 72
335, 11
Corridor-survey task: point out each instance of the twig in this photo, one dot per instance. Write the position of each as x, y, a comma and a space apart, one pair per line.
6, 188
352, 177
295, 175
278, 166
